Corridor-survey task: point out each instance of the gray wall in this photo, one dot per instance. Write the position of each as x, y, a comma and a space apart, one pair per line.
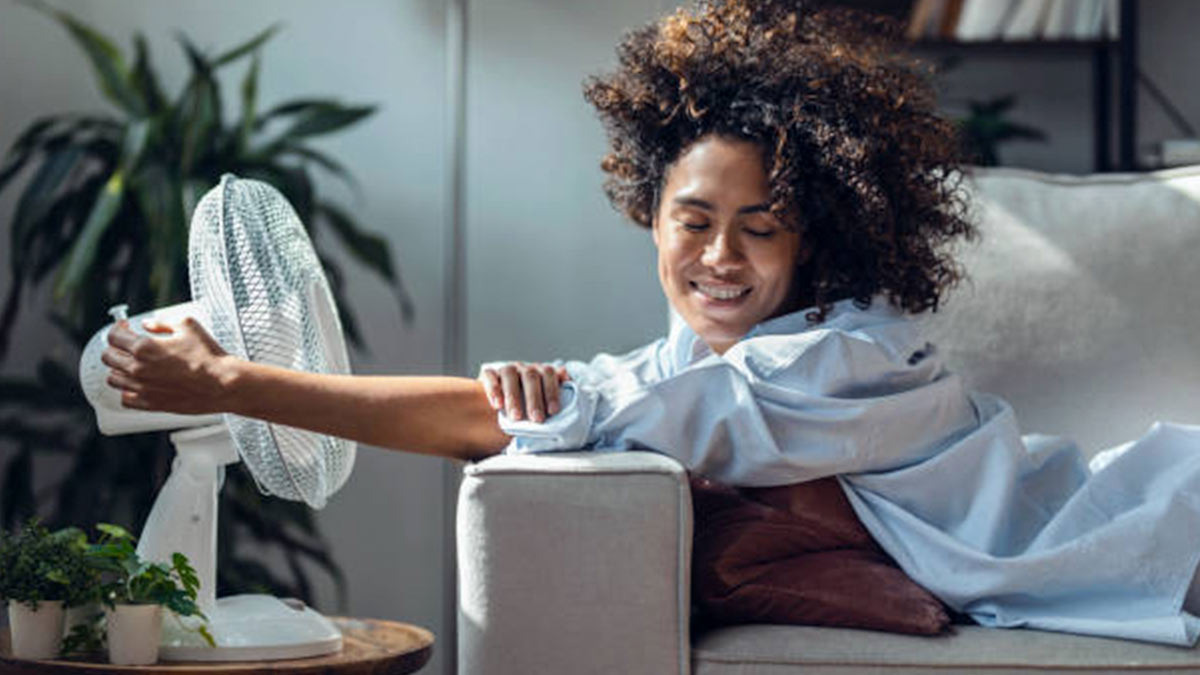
552, 270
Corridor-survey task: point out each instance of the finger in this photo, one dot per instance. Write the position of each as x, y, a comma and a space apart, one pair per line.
535, 401
156, 326
510, 383
117, 359
563, 375
491, 387
191, 325
131, 399
121, 336
124, 383
550, 389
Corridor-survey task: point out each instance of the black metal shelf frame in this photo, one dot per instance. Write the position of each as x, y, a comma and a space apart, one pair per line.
1124, 50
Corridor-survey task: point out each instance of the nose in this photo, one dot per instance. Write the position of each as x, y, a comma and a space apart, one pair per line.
721, 251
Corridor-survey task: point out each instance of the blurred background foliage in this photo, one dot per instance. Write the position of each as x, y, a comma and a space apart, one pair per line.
103, 217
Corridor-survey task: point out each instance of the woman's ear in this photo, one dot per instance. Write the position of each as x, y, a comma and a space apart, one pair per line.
654, 229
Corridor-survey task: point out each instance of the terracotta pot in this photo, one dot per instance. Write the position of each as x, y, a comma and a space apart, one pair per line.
134, 632
36, 633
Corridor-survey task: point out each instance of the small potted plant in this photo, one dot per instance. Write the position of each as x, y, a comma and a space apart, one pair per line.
40, 572
135, 591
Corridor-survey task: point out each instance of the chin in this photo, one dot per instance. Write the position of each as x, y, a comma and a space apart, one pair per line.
712, 335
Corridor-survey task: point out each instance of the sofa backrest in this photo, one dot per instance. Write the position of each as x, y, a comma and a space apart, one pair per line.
1083, 304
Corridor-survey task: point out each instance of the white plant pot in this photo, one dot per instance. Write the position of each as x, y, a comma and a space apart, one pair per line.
36, 634
134, 632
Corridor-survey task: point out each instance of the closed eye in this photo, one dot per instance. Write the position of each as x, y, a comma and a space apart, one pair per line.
761, 234
694, 227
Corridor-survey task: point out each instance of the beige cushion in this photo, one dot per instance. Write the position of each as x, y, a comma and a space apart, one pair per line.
788, 650
1083, 308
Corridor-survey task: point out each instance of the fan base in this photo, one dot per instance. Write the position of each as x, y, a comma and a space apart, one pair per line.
254, 628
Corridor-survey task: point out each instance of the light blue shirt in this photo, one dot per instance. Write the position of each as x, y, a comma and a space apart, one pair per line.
1015, 531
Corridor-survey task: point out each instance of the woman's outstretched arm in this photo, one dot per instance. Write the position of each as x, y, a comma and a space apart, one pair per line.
184, 370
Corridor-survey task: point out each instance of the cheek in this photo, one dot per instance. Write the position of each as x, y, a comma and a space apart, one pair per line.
780, 266
673, 255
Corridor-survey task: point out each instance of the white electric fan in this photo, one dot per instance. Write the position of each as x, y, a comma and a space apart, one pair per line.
258, 288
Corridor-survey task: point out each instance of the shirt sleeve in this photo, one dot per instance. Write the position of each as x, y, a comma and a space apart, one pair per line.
772, 410
790, 411
568, 429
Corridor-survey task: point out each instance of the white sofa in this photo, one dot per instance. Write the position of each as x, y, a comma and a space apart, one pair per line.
1083, 310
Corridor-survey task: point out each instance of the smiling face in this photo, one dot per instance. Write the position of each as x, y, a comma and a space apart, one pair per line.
724, 261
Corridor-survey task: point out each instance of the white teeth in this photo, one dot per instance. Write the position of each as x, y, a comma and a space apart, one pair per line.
723, 292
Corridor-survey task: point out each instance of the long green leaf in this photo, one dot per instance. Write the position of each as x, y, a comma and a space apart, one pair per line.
325, 162
22, 148
297, 106
144, 79
319, 117
49, 132
200, 108
38, 198
329, 119
245, 48
57, 229
8, 315
249, 104
159, 198
369, 249
333, 274
107, 62
83, 252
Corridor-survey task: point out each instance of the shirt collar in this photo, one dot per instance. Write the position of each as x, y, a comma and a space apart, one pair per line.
687, 348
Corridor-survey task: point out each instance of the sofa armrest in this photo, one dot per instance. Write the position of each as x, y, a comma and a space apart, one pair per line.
574, 562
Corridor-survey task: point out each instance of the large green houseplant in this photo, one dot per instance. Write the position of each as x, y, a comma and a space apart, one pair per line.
103, 217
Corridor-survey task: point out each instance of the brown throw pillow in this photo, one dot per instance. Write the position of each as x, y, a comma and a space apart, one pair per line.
797, 554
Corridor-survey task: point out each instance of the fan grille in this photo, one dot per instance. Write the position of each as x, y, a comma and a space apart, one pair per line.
254, 270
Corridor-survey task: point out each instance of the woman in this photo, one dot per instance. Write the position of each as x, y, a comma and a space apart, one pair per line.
799, 188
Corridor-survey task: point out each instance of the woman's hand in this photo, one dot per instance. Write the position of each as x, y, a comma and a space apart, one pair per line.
184, 371
524, 389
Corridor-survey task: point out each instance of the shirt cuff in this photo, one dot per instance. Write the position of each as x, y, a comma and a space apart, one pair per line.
566, 430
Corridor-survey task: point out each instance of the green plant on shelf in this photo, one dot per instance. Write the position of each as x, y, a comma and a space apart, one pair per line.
37, 565
129, 580
987, 127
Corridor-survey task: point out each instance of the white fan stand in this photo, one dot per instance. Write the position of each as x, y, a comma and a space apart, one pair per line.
184, 519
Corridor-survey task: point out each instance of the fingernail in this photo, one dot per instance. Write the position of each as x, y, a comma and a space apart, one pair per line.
537, 416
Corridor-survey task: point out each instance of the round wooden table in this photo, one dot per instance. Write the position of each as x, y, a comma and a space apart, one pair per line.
369, 647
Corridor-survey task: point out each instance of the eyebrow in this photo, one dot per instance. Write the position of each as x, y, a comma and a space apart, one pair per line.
702, 204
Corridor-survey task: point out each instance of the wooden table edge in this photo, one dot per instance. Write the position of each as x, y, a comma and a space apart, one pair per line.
343, 663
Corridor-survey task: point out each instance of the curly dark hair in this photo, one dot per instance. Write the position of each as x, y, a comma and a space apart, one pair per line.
852, 140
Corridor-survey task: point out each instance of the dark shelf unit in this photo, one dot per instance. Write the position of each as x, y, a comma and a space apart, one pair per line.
1122, 51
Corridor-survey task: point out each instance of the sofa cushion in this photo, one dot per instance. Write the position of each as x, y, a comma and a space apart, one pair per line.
797, 554
786, 650
1081, 304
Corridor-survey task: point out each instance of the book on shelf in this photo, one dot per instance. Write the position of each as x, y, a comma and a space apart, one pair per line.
1013, 20
1027, 20
1060, 20
983, 19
